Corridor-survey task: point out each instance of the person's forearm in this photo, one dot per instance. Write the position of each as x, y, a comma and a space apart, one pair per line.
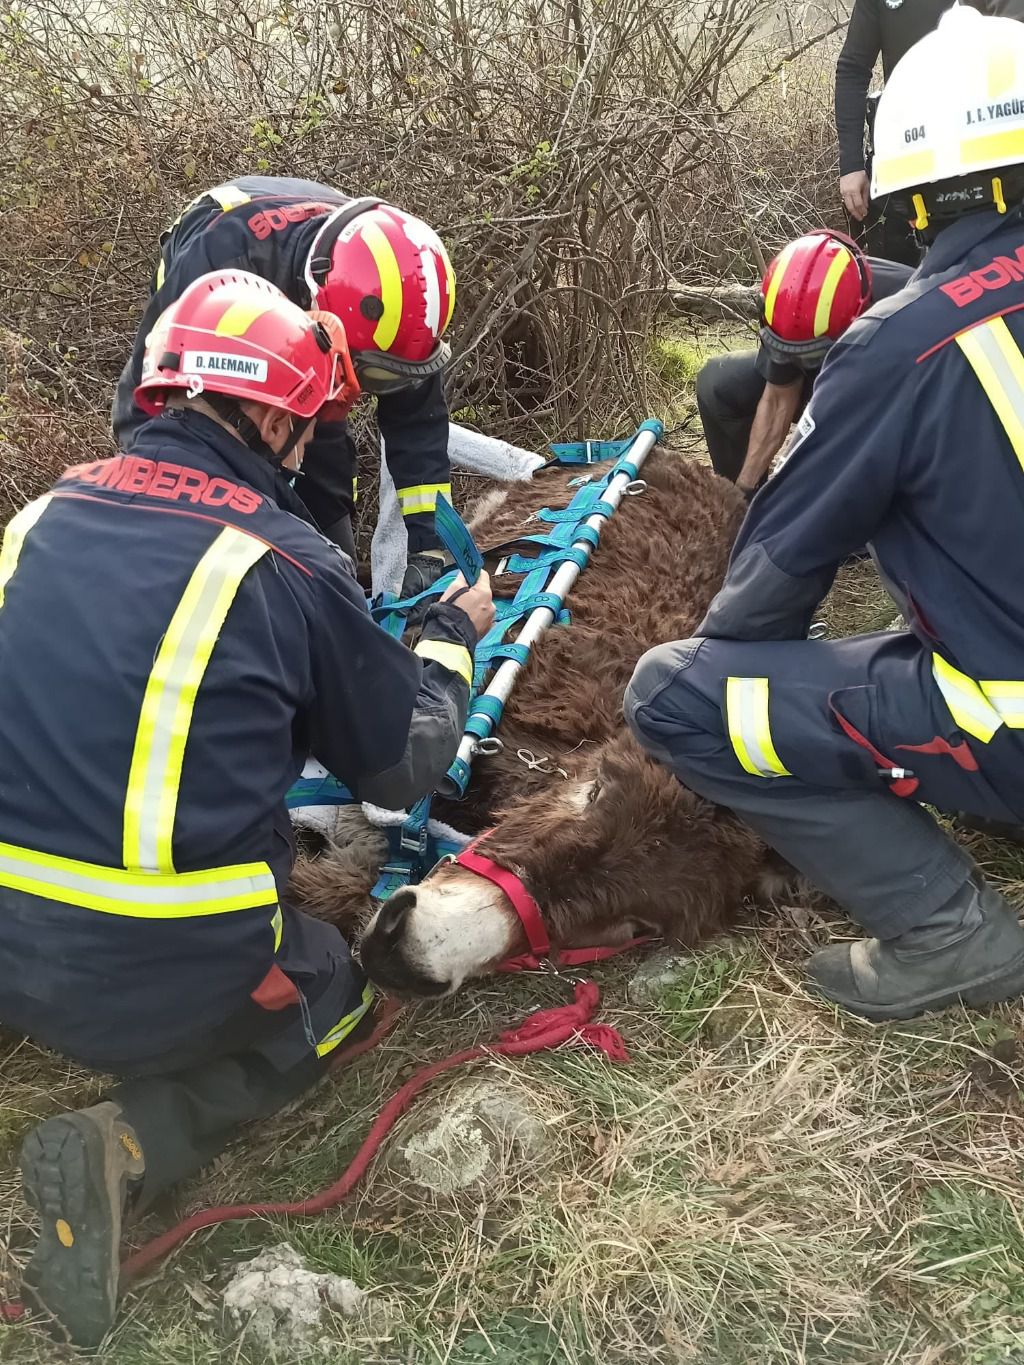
772, 421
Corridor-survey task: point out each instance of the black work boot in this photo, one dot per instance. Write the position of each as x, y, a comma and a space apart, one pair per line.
76, 1170
970, 951
995, 829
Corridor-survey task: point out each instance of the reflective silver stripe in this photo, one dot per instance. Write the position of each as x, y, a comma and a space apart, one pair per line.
166, 714
746, 710
1007, 698
344, 1026
141, 895
968, 705
998, 364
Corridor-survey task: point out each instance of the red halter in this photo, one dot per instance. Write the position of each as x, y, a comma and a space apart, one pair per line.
533, 921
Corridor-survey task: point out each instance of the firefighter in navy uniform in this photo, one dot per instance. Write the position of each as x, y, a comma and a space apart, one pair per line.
387, 276
914, 443
175, 639
748, 400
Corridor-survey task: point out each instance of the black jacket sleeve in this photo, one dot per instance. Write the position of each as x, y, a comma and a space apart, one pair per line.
414, 427
853, 77
386, 720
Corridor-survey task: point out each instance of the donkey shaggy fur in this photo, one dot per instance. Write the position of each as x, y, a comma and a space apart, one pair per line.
615, 846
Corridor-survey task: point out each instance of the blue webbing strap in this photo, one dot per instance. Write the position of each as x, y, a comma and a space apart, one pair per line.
457, 539
555, 547
588, 452
317, 791
386, 603
517, 563
408, 859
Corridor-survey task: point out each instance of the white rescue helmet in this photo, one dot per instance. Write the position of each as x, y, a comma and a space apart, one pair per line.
950, 115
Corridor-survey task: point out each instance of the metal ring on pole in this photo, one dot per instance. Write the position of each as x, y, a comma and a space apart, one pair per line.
489, 745
634, 489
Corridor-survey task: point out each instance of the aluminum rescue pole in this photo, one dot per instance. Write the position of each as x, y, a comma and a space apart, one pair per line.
500, 686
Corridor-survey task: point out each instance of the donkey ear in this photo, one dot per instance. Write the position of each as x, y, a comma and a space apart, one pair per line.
393, 914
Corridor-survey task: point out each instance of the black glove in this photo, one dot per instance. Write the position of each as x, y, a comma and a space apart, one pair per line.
422, 571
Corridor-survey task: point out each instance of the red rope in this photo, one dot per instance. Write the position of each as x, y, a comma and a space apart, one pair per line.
539, 1032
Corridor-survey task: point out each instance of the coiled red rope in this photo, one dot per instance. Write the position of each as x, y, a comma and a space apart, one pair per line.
539, 1032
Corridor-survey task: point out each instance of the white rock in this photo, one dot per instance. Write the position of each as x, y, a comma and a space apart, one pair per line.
479, 1130
657, 974
277, 1300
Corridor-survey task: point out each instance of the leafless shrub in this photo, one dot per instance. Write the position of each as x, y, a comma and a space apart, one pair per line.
576, 154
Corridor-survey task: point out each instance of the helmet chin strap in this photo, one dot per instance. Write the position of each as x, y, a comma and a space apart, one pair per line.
229, 410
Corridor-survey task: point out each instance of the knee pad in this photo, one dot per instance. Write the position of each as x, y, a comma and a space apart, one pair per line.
653, 676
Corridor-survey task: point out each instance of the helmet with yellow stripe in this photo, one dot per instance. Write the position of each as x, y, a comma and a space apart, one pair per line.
815, 287
949, 132
233, 336
387, 276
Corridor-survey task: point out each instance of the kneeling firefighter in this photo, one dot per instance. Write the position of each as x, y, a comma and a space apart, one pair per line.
914, 443
387, 276
811, 293
175, 639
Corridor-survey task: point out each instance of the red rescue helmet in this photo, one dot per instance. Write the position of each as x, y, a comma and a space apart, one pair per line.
387, 276
234, 335
812, 291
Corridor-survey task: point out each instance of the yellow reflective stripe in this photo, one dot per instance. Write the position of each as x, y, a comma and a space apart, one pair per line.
152, 796
390, 285
995, 358
139, 895
345, 1025
1007, 699
355, 488
449, 274
1002, 72
277, 924
913, 168
161, 273
422, 497
240, 315
970, 708
14, 538
228, 197
746, 717
992, 148
823, 310
776, 281
456, 658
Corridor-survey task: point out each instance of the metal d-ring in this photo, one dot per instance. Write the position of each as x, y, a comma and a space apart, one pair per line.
489, 745
635, 488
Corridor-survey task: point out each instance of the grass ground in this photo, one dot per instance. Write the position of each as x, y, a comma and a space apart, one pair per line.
766, 1181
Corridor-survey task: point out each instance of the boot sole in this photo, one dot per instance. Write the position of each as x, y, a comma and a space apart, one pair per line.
73, 1273
987, 990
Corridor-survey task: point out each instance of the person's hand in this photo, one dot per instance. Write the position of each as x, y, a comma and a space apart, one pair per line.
475, 601
856, 196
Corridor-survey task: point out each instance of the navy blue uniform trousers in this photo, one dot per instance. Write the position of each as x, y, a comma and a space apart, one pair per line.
805, 741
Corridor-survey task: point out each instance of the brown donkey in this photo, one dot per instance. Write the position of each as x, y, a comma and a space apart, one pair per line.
607, 843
